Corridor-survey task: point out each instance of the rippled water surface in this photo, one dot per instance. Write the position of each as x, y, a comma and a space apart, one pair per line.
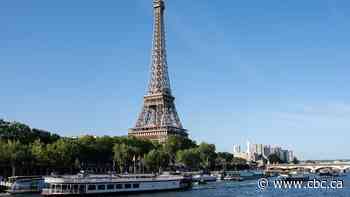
245, 189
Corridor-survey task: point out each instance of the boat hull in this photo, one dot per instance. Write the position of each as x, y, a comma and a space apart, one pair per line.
121, 192
96, 187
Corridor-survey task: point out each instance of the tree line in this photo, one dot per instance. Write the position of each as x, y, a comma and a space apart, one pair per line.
24, 150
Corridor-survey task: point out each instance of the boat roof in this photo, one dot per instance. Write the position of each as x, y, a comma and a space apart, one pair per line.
71, 179
24, 177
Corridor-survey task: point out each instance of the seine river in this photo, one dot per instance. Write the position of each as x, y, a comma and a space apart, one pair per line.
245, 189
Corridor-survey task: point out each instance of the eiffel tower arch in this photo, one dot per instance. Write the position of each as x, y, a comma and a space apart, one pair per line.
158, 118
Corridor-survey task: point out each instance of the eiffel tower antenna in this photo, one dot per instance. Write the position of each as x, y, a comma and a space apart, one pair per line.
158, 118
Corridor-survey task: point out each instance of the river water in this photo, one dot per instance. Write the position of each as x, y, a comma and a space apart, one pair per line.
247, 189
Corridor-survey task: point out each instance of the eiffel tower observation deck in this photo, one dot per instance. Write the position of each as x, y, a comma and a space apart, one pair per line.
158, 118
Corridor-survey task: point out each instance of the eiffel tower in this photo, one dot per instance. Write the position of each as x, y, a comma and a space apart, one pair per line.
158, 119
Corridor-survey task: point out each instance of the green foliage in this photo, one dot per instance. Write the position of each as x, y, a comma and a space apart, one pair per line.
228, 157
63, 152
239, 164
295, 161
223, 160
274, 158
156, 160
95, 150
310, 161
176, 143
152, 160
2, 151
22, 146
238, 161
14, 153
39, 152
123, 155
226, 161
207, 154
189, 157
23, 133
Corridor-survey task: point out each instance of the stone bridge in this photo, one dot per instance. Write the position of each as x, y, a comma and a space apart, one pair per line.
312, 167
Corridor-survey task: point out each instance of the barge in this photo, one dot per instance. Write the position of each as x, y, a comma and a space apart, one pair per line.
23, 184
76, 185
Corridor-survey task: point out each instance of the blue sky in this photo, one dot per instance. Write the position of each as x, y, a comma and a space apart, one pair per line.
272, 72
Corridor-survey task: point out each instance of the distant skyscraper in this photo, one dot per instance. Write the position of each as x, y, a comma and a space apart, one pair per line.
248, 147
236, 148
259, 149
267, 150
255, 151
290, 156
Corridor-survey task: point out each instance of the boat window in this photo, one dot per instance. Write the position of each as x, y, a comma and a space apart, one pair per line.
92, 187
82, 188
110, 186
119, 186
101, 187
64, 187
127, 186
136, 185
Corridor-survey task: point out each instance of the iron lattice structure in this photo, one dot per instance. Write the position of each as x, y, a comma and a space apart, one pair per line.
158, 118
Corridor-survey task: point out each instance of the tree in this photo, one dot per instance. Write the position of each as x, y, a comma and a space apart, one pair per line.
39, 153
142, 146
87, 149
63, 153
295, 160
156, 160
225, 155
207, 155
239, 163
104, 147
152, 160
122, 156
3, 152
274, 158
16, 131
15, 153
310, 161
176, 143
191, 158
223, 160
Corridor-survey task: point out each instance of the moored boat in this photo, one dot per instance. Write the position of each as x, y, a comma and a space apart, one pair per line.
24, 184
108, 184
251, 174
233, 176
296, 176
328, 173
204, 178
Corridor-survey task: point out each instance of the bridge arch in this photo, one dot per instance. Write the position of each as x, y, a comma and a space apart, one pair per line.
314, 168
347, 168
318, 169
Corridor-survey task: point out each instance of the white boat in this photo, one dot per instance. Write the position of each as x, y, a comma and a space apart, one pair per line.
24, 184
233, 176
251, 174
106, 184
204, 178
219, 177
294, 176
